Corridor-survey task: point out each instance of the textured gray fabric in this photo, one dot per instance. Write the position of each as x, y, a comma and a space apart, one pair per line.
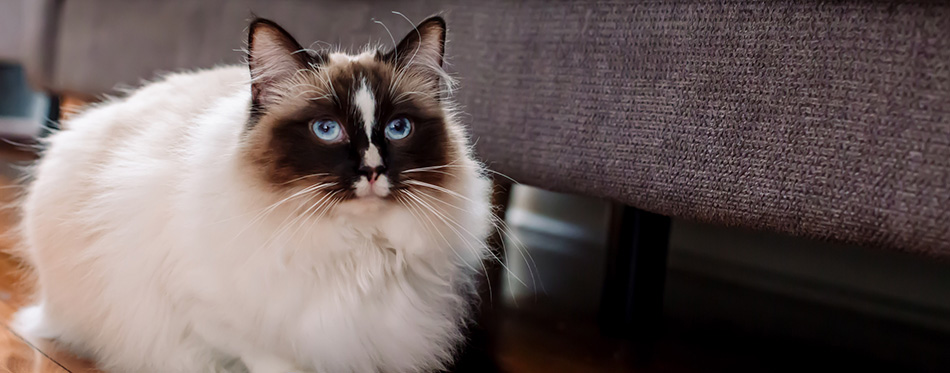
11, 28
827, 120
823, 119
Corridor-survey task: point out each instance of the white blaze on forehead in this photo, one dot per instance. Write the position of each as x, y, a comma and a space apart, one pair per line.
371, 157
366, 106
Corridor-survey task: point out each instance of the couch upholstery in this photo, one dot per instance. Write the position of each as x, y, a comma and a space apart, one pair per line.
11, 25
814, 118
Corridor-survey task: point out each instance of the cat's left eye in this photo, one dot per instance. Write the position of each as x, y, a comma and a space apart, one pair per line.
398, 129
327, 130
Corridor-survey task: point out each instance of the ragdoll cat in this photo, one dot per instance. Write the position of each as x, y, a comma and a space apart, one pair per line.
310, 211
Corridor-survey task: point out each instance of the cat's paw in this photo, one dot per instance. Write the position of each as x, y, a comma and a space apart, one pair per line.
32, 324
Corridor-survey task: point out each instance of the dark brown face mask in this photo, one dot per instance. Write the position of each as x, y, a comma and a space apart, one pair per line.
361, 125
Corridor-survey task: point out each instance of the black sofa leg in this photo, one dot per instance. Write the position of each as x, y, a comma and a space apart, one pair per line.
632, 299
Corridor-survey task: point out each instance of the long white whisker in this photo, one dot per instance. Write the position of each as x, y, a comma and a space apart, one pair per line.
395, 51
432, 171
316, 206
460, 166
441, 189
294, 218
304, 177
450, 222
403, 97
325, 207
502, 227
407, 203
459, 235
328, 207
269, 209
505, 231
433, 167
328, 45
328, 81
414, 52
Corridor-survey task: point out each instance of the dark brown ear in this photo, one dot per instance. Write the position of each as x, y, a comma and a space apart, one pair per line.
423, 47
273, 57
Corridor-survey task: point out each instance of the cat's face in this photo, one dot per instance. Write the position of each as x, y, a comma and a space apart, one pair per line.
349, 128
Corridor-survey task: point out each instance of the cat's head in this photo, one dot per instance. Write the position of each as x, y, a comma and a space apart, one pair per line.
360, 129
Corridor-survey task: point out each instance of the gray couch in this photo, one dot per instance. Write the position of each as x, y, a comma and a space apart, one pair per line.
823, 119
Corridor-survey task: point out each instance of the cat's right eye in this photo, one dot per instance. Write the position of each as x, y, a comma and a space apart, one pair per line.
327, 130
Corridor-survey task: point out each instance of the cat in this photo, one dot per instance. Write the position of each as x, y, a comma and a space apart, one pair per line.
306, 211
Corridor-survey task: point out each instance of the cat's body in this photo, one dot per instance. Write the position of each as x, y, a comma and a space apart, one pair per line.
157, 250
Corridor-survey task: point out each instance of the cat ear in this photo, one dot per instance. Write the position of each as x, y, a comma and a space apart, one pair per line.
423, 48
273, 58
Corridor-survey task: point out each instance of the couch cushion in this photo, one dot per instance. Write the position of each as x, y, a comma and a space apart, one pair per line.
11, 27
828, 120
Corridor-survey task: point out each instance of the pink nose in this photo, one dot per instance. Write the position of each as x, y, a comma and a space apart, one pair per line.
372, 173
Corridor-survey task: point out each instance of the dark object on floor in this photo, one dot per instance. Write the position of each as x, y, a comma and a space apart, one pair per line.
632, 299
477, 355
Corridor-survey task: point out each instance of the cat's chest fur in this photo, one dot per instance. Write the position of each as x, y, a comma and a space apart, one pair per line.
342, 292
372, 284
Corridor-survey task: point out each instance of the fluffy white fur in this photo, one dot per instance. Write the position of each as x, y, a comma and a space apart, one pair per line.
156, 252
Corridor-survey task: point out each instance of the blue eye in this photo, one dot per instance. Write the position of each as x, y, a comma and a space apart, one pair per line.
327, 130
398, 129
